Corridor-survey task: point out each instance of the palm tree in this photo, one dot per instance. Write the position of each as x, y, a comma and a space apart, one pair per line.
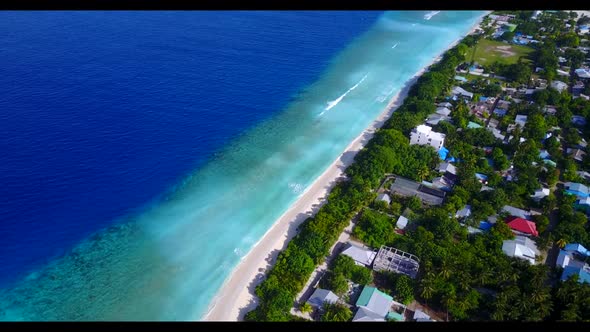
427, 289
423, 173
305, 307
445, 271
561, 242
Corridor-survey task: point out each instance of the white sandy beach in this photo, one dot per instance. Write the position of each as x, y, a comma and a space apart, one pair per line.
236, 296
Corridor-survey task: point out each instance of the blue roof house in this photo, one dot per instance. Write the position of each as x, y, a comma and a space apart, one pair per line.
583, 273
485, 226
500, 112
577, 248
577, 189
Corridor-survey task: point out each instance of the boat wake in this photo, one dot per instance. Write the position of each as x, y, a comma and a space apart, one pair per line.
336, 101
431, 14
394, 46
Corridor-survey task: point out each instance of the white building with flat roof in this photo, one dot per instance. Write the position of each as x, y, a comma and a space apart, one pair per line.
423, 135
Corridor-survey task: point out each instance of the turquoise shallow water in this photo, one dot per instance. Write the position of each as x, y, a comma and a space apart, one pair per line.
168, 262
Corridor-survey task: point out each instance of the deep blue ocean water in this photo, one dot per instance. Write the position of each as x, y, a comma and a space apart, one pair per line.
103, 112
144, 153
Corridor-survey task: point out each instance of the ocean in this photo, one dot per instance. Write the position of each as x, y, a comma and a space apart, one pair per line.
145, 153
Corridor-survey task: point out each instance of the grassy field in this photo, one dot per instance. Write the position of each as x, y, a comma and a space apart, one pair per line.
488, 51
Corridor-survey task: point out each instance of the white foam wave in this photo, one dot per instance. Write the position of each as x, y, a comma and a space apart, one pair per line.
296, 188
431, 14
394, 46
335, 102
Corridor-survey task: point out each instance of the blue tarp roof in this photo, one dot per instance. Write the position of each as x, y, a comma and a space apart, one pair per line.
442, 153
500, 112
451, 159
482, 98
484, 225
583, 276
480, 176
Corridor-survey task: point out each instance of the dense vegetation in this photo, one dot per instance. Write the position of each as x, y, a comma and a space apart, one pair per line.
466, 276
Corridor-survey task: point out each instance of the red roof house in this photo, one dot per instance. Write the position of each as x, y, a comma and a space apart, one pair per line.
522, 225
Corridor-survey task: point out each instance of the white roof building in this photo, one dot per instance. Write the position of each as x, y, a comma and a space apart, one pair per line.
447, 167
540, 194
402, 222
520, 120
443, 111
583, 72
384, 198
423, 135
365, 315
521, 247
459, 91
320, 296
361, 256
559, 85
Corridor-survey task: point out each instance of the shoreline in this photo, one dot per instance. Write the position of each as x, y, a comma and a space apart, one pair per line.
236, 295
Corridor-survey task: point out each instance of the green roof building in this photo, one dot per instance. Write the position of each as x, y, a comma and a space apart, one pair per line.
510, 27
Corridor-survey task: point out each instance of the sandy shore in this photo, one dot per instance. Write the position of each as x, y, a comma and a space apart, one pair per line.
236, 296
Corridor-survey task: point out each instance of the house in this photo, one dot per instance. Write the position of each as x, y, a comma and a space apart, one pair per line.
464, 212
421, 316
365, 315
585, 175
460, 78
521, 247
578, 88
402, 222
583, 29
441, 183
423, 135
503, 104
409, 188
374, 303
543, 154
576, 248
500, 112
579, 120
493, 123
551, 110
482, 178
448, 169
540, 194
583, 73
473, 125
577, 189
562, 72
361, 256
442, 153
444, 111
520, 120
511, 210
497, 133
383, 197
577, 154
321, 296
522, 226
460, 92
561, 60
434, 119
445, 104
583, 273
559, 85
582, 204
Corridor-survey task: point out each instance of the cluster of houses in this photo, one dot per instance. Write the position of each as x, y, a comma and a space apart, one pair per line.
572, 260
373, 305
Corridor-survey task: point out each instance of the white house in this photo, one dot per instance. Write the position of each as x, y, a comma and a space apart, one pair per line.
558, 85
384, 198
361, 256
540, 194
443, 111
460, 92
402, 222
521, 247
520, 120
423, 135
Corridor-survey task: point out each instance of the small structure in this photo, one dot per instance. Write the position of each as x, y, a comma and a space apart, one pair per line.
585, 175
577, 154
583, 73
521, 247
473, 125
559, 85
540, 194
375, 305
445, 104
443, 111
321, 296
423, 135
500, 112
464, 212
522, 226
583, 273
447, 168
460, 78
571, 260
383, 197
402, 222
578, 120
520, 120
397, 261
511, 210
421, 316
361, 256
434, 119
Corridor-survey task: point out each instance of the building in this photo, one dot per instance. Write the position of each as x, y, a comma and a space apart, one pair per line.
361, 256
511, 210
583, 73
578, 88
522, 226
559, 85
383, 197
447, 168
402, 222
409, 188
373, 304
464, 212
577, 189
321, 296
582, 204
443, 111
577, 154
460, 92
540, 194
445, 104
520, 120
423, 135
521, 247
396, 261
